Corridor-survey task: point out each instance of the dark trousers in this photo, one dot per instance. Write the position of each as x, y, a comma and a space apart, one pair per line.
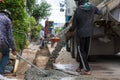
83, 50
42, 42
4, 60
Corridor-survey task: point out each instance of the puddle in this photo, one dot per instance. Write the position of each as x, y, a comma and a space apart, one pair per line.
68, 78
67, 67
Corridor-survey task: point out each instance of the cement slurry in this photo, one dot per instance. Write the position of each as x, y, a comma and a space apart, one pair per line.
34, 74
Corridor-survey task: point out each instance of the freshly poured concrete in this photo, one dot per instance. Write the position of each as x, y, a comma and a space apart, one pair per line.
33, 74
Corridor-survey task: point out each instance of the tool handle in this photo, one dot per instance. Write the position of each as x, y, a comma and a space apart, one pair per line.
31, 64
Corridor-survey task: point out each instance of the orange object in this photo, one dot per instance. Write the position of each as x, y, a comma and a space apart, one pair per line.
55, 39
2, 1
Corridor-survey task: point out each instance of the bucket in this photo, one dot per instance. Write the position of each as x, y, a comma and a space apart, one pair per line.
55, 39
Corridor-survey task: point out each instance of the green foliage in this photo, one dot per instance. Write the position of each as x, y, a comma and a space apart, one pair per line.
31, 21
58, 29
19, 15
35, 31
30, 4
41, 11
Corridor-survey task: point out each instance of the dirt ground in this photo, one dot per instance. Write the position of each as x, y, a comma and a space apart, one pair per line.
62, 64
28, 54
102, 69
105, 68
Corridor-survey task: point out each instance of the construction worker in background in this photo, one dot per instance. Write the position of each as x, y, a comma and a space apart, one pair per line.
6, 39
42, 36
83, 23
46, 28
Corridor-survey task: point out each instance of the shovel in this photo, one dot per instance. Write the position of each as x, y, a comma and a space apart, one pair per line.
44, 73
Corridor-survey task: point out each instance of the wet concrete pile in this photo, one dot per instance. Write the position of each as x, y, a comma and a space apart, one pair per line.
34, 74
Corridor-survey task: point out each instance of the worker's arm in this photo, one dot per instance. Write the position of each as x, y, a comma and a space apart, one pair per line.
74, 22
97, 11
10, 37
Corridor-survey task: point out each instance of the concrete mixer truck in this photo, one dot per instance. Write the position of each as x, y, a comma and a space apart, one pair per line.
106, 38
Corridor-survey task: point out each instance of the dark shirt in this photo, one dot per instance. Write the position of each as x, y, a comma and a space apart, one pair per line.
6, 30
83, 21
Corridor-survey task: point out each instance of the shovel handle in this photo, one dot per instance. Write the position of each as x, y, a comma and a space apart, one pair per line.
32, 64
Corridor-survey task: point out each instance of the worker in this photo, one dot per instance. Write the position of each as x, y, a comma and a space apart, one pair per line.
83, 23
42, 35
6, 39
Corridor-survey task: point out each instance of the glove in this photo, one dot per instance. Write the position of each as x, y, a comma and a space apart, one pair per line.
14, 52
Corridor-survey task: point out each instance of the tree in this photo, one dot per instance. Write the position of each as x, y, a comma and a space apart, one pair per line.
41, 11
30, 5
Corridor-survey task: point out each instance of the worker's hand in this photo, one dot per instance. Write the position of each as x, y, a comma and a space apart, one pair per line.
14, 52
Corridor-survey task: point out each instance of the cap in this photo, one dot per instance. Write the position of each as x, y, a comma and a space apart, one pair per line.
7, 12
